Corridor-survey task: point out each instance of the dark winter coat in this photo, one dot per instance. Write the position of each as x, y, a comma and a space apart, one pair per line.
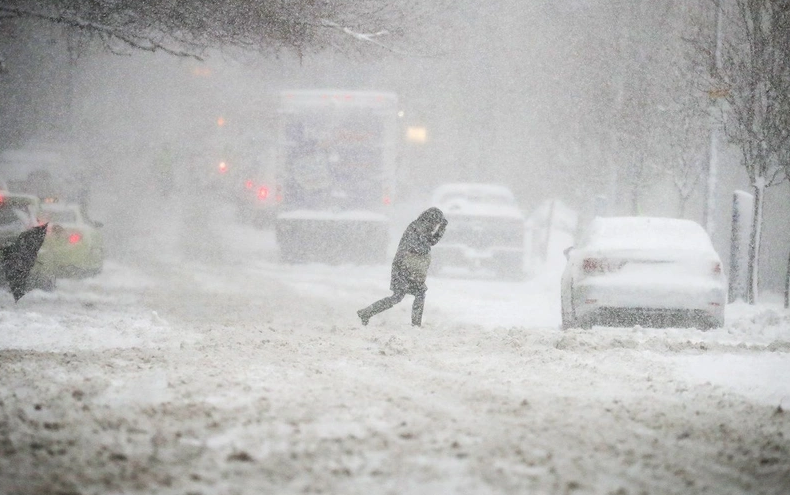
410, 266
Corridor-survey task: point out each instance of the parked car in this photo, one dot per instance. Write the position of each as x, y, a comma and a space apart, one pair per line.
18, 213
643, 271
76, 244
485, 230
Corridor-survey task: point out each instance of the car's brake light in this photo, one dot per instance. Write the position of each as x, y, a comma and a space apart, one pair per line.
263, 193
249, 184
75, 238
223, 167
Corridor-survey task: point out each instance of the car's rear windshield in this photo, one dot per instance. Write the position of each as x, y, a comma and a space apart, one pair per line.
649, 233
65, 216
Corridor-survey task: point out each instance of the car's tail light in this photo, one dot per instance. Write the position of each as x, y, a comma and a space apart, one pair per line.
249, 184
75, 238
592, 265
600, 265
223, 167
263, 193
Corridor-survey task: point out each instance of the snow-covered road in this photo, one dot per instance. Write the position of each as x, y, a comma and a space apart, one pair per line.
247, 376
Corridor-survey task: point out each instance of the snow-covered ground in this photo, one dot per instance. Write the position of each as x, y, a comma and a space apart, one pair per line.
173, 374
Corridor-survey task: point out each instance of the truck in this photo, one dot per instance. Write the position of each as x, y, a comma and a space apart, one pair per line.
336, 166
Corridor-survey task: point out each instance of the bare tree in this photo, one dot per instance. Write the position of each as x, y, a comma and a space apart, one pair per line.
685, 128
754, 80
686, 170
188, 28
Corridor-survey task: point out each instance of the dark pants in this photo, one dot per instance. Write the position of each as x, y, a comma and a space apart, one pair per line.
396, 297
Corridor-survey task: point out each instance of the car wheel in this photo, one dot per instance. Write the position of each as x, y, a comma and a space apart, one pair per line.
568, 322
710, 324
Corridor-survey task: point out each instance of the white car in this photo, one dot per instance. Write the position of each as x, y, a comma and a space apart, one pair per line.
643, 271
485, 229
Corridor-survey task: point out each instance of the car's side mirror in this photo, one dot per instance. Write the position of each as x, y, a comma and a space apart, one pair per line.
567, 252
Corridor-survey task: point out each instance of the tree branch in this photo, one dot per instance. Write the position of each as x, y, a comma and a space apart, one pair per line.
146, 44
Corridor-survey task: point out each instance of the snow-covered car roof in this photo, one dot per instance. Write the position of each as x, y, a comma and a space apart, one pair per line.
471, 198
627, 233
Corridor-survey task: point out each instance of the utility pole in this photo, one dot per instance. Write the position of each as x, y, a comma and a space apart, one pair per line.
713, 154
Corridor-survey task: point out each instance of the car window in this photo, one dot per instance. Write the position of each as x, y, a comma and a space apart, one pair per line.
63, 216
15, 216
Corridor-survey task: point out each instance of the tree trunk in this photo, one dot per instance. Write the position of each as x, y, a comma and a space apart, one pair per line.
754, 245
683, 203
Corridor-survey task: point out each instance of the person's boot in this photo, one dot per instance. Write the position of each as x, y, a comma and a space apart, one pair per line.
364, 317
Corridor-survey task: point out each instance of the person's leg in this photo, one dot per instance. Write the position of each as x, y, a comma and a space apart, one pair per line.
379, 306
416, 309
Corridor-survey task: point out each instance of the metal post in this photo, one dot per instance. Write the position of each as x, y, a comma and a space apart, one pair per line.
713, 154
787, 284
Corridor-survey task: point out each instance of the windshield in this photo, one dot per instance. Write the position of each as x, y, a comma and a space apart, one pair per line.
334, 158
61, 216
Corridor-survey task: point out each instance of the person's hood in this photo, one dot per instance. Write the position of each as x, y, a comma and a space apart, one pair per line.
431, 217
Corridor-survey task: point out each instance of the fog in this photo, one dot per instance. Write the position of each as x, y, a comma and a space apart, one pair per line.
556, 100
220, 349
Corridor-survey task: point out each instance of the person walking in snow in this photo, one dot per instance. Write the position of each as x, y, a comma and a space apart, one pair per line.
410, 266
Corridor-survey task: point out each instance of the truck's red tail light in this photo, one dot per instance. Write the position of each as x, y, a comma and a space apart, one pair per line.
75, 238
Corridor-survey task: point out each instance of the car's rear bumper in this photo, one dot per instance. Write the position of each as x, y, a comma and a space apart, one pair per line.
76, 261
654, 304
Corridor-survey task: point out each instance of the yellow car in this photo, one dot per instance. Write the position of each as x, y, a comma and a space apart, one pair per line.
76, 244
18, 213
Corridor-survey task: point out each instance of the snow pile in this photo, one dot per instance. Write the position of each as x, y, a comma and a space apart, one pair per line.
99, 313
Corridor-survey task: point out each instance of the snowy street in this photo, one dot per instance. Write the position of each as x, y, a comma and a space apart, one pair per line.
247, 376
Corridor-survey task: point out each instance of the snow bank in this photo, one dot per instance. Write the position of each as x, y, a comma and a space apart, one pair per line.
99, 313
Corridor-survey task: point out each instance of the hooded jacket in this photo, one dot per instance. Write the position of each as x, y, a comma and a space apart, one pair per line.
410, 266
